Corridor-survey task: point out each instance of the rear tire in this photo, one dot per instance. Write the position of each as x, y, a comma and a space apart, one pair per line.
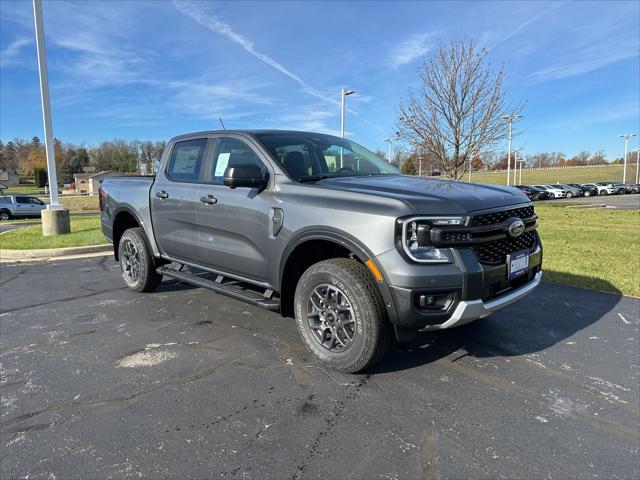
603, 192
569, 194
5, 215
587, 193
136, 262
341, 316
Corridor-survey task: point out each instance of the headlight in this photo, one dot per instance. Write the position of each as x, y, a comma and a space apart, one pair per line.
415, 239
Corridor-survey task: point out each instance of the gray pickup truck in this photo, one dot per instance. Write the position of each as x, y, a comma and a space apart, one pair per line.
319, 228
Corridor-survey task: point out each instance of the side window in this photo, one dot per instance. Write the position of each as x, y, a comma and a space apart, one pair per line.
22, 200
231, 152
5, 199
35, 201
186, 160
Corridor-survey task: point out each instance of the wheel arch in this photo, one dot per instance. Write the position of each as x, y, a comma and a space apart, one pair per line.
314, 245
124, 218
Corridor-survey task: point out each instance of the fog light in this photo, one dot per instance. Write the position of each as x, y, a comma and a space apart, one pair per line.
434, 301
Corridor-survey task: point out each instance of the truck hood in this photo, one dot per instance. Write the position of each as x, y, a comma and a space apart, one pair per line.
428, 195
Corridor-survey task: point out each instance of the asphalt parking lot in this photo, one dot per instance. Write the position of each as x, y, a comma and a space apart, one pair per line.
617, 202
97, 381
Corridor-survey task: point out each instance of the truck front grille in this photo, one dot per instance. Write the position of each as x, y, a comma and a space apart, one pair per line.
499, 217
487, 235
495, 253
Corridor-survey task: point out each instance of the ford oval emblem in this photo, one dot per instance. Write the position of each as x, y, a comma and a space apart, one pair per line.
515, 227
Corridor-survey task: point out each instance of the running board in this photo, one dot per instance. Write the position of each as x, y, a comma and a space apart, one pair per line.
225, 286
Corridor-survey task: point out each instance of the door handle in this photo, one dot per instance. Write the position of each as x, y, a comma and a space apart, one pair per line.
209, 200
162, 194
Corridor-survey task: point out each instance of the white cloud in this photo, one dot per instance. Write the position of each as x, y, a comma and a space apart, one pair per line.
308, 118
498, 39
200, 15
412, 47
589, 57
10, 55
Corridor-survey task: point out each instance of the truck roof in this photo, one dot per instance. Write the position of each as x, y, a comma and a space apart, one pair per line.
242, 131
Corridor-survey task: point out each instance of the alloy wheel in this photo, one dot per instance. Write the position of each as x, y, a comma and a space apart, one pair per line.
131, 261
331, 318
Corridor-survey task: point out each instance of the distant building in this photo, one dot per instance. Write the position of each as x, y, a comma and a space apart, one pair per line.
8, 178
88, 183
2, 187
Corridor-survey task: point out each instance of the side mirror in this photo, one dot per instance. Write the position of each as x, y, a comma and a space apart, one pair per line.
245, 176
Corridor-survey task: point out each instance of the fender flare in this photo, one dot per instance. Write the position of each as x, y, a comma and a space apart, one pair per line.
352, 244
131, 211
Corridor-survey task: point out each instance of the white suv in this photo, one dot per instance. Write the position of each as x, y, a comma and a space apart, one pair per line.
554, 190
603, 188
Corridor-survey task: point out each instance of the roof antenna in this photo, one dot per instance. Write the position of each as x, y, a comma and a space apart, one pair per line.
221, 123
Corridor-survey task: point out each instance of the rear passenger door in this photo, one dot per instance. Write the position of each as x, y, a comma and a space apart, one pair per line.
174, 198
234, 223
23, 207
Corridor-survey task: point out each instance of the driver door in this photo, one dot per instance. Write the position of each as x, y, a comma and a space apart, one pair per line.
234, 223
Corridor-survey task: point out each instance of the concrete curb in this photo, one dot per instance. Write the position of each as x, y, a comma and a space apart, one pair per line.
44, 253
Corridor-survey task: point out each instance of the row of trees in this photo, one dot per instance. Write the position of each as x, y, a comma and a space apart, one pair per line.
26, 157
413, 162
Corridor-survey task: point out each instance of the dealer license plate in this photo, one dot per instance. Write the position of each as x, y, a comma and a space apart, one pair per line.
517, 264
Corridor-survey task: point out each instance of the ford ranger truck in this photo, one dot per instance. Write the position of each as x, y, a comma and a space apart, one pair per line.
319, 228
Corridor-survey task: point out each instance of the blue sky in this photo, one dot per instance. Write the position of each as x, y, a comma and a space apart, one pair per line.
151, 70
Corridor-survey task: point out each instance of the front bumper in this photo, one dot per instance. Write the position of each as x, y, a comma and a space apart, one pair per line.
469, 310
474, 290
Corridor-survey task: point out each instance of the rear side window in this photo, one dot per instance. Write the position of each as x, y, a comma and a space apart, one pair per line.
186, 160
23, 200
5, 199
231, 152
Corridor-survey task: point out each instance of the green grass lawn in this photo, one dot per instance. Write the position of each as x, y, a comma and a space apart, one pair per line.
591, 248
83, 203
84, 231
609, 173
23, 189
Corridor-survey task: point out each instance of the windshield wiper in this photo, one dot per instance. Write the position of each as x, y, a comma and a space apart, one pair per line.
313, 178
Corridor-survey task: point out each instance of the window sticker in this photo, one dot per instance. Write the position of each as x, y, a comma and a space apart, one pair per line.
221, 164
186, 159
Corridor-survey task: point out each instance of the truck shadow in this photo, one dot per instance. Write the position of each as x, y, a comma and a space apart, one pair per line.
549, 315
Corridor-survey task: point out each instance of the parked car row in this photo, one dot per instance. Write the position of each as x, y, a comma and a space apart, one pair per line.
570, 190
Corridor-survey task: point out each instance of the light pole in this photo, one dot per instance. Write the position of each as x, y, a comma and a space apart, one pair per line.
637, 166
521, 162
55, 219
626, 137
343, 93
510, 118
390, 140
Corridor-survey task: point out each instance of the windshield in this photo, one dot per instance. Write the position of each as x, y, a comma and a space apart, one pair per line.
312, 156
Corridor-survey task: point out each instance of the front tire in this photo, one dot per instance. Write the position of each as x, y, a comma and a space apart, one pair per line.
587, 193
341, 316
569, 194
136, 263
603, 192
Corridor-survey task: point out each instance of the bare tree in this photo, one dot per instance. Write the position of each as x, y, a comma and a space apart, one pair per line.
455, 113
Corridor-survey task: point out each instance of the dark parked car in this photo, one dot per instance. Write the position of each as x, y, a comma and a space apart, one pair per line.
588, 189
631, 187
533, 193
321, 229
